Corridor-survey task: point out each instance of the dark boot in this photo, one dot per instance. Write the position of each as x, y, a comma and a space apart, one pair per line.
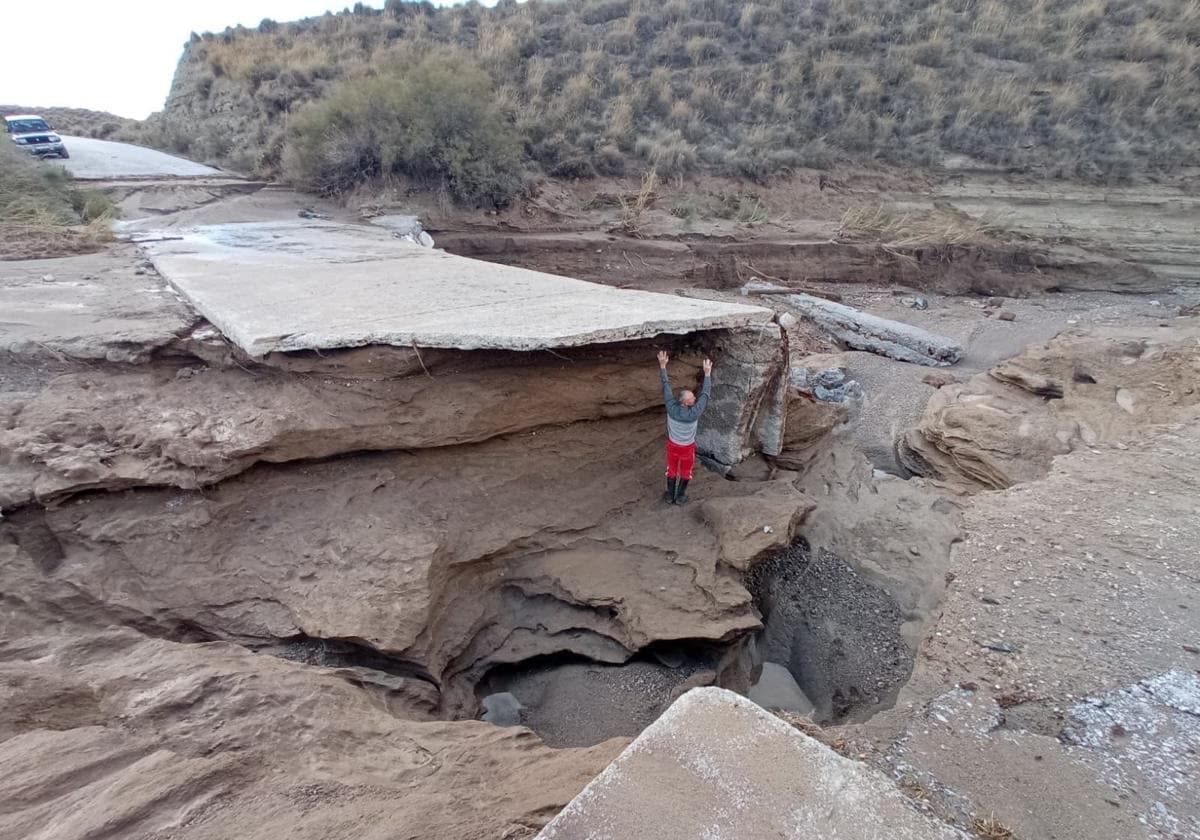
681, 492
669, 496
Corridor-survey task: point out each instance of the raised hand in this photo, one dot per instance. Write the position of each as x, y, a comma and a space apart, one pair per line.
707, 367
663, 358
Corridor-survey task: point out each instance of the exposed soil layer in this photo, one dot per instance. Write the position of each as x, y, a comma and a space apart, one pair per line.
1018, 270
838, 634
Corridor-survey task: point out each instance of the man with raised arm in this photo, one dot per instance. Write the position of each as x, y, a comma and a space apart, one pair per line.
683, 416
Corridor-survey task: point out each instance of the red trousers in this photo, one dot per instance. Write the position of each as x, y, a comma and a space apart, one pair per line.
680, 460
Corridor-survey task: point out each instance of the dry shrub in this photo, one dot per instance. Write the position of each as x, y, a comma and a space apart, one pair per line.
668, 153
633, 208
812, 730
36, 240
435, 122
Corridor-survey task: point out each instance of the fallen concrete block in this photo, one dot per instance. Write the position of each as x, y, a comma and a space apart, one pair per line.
863, 331
717, 765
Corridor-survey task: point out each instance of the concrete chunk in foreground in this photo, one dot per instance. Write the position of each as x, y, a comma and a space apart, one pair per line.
314, 285
716, 766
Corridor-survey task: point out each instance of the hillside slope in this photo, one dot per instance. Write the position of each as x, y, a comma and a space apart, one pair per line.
1101, 90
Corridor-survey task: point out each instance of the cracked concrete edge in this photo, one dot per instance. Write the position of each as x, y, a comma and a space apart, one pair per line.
716, 765
282, 309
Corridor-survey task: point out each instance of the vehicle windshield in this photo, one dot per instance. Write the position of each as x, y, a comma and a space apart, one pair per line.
26, 126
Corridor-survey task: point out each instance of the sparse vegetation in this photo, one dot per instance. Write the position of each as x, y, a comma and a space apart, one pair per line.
747, 210
1103, 90
43, 215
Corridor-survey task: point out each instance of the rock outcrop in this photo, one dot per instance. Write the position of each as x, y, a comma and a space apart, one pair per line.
1081, 389
506, 516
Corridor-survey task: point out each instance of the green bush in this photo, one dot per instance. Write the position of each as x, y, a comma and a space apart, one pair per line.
434, 122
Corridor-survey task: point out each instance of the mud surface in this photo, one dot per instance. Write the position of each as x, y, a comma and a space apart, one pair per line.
580, 704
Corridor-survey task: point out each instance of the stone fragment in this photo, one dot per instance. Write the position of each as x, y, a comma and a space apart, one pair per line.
752, 525
1000, 647
502, 709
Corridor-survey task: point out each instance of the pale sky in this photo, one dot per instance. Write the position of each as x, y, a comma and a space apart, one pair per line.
118, 55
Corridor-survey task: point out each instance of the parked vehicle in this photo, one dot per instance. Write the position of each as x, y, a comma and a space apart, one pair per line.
34, 135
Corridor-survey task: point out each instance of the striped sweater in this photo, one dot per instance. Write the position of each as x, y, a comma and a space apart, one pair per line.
681, 420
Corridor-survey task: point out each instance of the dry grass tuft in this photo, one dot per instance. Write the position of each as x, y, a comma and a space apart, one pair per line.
37, 241
897, 228
913, 789
988, 827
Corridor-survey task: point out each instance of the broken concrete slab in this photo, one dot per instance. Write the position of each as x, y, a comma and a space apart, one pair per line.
317, 285
750, 362
863, 331
717, 765
96, 306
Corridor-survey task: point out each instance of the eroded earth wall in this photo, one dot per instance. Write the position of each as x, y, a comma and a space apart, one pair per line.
408, 519
503, 515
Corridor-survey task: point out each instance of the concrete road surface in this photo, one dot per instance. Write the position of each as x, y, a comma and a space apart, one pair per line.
102, 159
320, 285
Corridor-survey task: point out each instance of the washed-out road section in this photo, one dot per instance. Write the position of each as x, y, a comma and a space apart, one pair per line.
318, 285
